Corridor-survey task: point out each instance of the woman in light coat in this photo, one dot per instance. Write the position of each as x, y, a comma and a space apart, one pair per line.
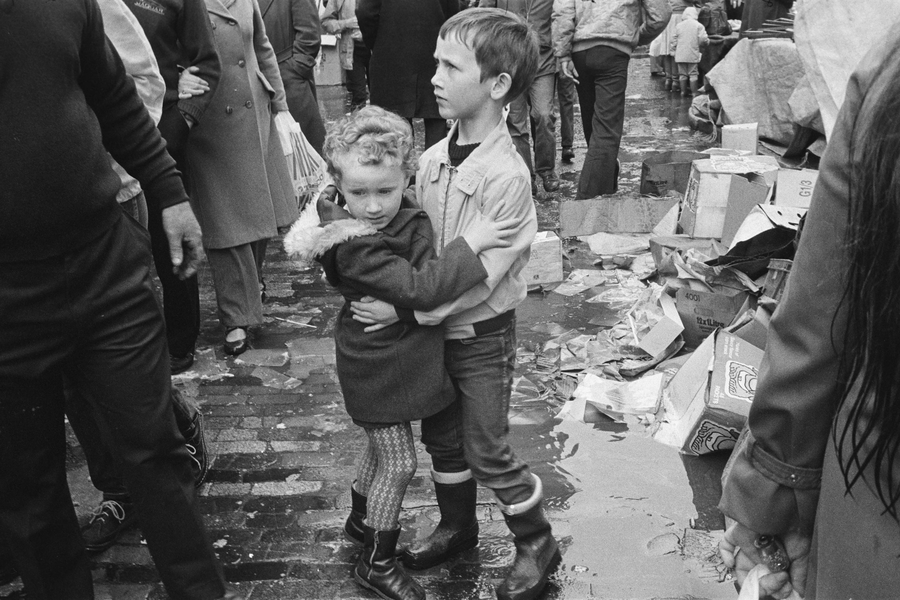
239, 183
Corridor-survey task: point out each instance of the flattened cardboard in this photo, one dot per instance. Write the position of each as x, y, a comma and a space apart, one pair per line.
794, 187
665, 331
661, 247
619, 213
745, 192
708, 399
702, 313
545, 264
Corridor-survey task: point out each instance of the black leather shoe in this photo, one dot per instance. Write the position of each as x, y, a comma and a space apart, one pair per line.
110, 519
378, 570
568, 155
180, 364
239, 346
190, 423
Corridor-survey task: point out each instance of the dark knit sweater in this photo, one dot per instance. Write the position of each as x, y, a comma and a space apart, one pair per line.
63, 94
181, 36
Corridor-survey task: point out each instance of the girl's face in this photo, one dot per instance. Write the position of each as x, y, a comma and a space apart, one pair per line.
373, 192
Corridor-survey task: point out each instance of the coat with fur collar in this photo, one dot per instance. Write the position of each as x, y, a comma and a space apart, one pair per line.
395, 374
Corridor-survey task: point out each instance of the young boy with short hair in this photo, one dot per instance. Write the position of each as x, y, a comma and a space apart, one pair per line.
485, 58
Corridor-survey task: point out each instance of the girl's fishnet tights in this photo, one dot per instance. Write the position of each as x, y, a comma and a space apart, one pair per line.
384, 472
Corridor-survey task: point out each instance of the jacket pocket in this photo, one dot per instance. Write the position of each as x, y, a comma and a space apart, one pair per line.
265, 82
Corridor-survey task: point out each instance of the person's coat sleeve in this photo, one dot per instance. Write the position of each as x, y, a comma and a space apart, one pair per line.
268, 64
307, 36
774, 482
129, 134
331, 22
563, 27
368, 15
196, 38
515, 195
656, 15
375, 270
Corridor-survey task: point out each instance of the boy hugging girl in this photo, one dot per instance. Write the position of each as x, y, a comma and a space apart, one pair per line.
428, 327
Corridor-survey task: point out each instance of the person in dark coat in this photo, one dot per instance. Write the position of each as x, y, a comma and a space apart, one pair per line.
181, 37
757, 12
295, 33
402, 35
821, 467
380, 247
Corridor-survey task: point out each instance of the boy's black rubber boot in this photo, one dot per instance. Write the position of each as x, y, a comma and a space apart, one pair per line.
378, 570
537, 553
353, 528
456, 532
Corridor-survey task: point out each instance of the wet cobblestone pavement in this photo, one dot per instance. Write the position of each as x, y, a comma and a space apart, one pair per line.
631, 515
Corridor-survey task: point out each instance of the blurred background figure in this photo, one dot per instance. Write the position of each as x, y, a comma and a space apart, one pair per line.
239, 182
295, 33
340, 19
402, 36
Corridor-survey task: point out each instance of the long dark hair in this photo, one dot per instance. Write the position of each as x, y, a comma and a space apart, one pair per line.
870, 366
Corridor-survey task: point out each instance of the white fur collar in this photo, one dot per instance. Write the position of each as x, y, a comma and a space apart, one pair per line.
305, 241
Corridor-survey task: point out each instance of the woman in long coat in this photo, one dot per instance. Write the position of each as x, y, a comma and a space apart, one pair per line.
239, 183
821, 467
402, 36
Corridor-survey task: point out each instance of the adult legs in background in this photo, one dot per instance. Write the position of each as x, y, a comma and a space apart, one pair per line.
91, 316
303, 104
358, 78
565, 91
540, 97
181, 297
236, 275
603, 76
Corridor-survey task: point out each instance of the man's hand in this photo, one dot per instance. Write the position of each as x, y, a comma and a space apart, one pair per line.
375, 313
185, 239
190, 85
739, 554
566, 68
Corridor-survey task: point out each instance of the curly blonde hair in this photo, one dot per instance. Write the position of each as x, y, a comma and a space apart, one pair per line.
374, 133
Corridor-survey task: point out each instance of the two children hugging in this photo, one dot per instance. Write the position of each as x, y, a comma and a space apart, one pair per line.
428, 327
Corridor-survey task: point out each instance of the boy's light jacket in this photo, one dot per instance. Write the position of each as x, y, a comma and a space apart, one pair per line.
621, 24
453, 197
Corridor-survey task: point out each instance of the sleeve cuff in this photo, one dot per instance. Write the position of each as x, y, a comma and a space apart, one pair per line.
406, 315
798, 478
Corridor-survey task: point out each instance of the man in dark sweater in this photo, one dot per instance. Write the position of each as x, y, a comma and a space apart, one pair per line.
180, 35
76, 301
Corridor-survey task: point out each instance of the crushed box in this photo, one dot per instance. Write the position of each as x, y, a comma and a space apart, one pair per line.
745, 192
545, 264
669, 170
708, 399
706, 200
704, 312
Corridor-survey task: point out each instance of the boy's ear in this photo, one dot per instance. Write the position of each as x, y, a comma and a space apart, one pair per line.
502, 84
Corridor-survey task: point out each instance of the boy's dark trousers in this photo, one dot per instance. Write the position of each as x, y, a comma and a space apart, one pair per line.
90, 316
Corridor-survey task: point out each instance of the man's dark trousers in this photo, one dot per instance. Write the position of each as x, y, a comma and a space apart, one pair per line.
90, 315
602, 78
181, 297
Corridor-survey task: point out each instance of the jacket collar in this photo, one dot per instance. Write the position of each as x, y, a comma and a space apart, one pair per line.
472, 170
265, 5
220, 7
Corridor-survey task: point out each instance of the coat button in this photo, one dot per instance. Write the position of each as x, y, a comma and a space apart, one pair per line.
248, 104
228, 110
241, 63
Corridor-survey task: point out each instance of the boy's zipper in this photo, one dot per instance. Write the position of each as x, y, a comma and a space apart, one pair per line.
451, 169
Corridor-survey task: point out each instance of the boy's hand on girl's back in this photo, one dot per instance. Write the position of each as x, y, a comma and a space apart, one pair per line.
378, 314
490, 232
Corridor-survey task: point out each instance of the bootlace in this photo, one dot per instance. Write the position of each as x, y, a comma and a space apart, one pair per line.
109, 508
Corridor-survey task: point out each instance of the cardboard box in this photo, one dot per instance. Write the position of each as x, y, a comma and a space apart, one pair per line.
665, 331
704, 312
616, 213
754, 327
706, 200
743, 136
545, 264
795, 187
665, 171
765, 217
744, 193
708, 399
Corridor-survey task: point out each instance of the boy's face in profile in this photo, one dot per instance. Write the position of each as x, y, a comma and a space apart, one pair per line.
373, 192
458, 88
